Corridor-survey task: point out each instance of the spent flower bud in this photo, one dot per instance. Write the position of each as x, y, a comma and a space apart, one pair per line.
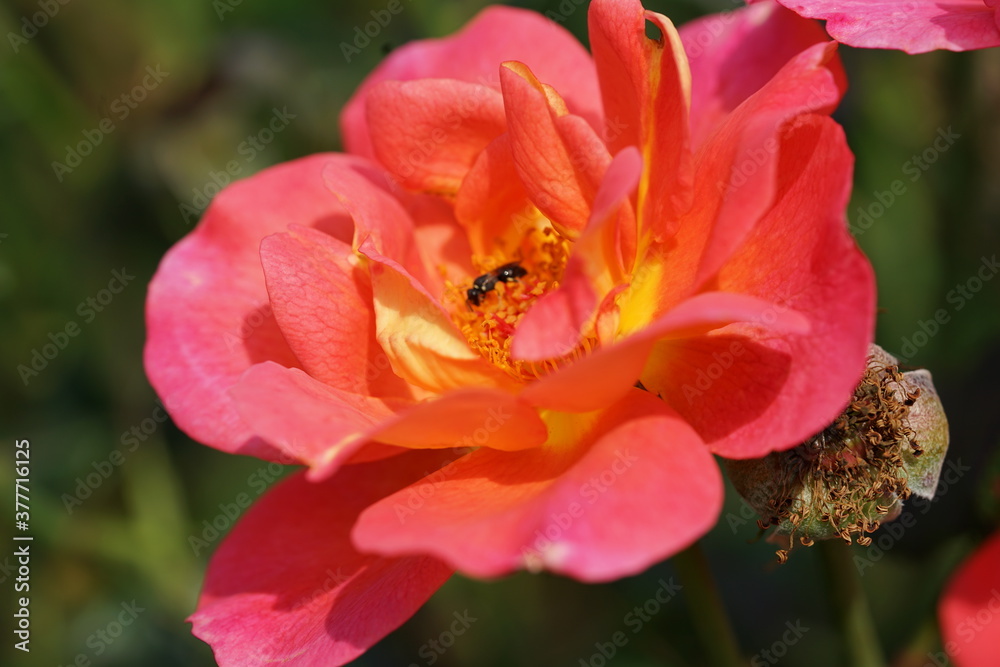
854, 475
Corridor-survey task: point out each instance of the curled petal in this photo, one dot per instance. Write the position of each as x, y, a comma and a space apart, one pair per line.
555, 324
322, 300
646, 84
441, 239
559, 158
380, 219
492, 204
310, 422
599, 379
737, 178
608, 373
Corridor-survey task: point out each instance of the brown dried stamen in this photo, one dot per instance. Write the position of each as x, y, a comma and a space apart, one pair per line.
852, 471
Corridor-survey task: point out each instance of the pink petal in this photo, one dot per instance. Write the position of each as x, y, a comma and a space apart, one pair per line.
915, 26
207, 315
604, 248
617, 493
610, 248
474, 54
608, 374
597, 380
428, 133
735, 179
748, 392
969, 609
324, 427
322, 300
554, 325
287, 586
761, 39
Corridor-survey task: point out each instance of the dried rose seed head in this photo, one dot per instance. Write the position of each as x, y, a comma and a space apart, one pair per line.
854, 475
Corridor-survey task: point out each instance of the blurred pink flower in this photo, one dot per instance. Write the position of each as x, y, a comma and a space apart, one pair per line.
969, 609
915, 26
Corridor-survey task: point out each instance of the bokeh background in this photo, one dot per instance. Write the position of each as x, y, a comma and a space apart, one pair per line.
221, 69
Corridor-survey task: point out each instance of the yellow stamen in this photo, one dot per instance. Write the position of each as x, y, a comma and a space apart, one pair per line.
490, 325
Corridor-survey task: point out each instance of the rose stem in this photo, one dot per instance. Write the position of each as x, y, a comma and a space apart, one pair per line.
851, 605
707, 609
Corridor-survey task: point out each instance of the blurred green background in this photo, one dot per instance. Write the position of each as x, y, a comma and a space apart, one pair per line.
199, 78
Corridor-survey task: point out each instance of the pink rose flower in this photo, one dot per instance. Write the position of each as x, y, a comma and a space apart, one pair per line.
512, 326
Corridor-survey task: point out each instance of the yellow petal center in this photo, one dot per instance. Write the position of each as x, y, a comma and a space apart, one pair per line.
489, 326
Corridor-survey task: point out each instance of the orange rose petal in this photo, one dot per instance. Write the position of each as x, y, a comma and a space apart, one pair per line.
495, 34
600, 248
378, 216
467, 418
558, 182
764, 37
600, 378
555, 324
309, 421
442, 240
736, 170
286, 586
646, 86
207, 313
666, 191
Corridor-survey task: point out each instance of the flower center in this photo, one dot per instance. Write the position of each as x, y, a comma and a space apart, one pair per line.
489, 307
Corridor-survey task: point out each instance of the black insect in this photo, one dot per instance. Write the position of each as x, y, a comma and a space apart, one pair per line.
487, 281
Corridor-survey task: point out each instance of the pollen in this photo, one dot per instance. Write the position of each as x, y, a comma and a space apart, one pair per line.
489, 323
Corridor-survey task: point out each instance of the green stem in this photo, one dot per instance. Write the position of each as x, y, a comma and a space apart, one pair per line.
707, 609
851, 605
924, 642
